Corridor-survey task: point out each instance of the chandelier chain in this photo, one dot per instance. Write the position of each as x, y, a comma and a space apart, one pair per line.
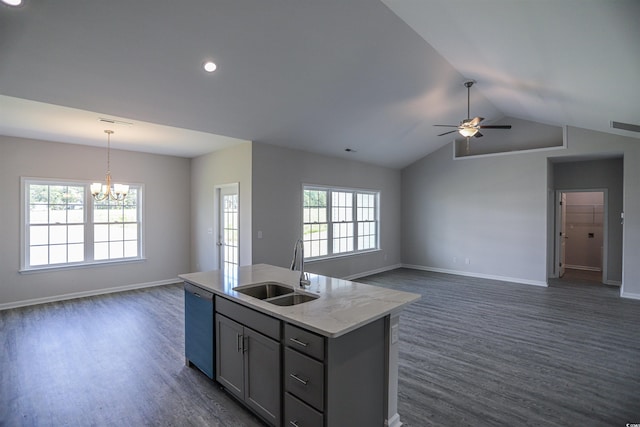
108, 132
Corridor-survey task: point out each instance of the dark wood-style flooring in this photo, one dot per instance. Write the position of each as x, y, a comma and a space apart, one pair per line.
473, 352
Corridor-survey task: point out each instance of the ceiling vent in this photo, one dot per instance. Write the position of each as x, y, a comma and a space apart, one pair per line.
120, 122
625, 126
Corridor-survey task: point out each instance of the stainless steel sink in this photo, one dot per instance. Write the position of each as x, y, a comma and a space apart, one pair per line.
265, 290
293, 299
275, 293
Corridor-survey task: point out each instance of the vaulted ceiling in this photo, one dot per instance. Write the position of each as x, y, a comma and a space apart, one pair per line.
320, 76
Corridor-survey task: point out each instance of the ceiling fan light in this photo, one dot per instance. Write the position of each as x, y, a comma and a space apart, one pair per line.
468, 131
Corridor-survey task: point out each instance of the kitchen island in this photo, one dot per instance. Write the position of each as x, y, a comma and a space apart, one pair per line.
328, 361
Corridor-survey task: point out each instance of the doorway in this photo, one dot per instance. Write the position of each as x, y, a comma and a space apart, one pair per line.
582, 235
228, 228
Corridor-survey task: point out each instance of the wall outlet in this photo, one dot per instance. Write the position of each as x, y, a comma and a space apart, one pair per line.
259, 234
467, 261
394, 334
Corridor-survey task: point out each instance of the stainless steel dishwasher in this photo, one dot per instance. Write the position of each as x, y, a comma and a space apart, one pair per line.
198, 329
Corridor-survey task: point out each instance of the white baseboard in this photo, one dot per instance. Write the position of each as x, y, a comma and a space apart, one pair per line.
478, 275
371, 272
629, 295
612, 282
74, 295
394, 421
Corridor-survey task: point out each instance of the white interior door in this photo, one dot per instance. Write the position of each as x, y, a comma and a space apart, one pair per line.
228, 228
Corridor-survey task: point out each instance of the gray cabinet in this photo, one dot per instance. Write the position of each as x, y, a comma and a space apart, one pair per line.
304, 377
286, 374
248, 361
335, 381
229, 356
299, 414
262, 375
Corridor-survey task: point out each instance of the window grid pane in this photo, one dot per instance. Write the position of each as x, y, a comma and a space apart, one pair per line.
341, 203
366, 235
342, 238
352, 221
50, 237
230, 231
116, 228
315, 226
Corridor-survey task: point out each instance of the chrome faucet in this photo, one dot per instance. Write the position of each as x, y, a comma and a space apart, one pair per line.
298, 263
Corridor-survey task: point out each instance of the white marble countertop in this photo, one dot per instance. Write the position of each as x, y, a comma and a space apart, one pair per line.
342, 306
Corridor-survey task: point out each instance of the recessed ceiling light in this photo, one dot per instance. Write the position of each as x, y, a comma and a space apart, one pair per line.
209, 66
12, 2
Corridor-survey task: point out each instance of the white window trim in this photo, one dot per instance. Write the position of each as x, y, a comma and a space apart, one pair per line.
329, 188
88, 231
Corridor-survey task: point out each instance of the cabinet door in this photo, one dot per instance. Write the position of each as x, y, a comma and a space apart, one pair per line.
262, 375
229, 356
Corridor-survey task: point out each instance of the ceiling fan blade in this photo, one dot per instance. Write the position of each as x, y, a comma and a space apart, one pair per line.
495, 127
478, 135
446, 133
447, 126
475, 121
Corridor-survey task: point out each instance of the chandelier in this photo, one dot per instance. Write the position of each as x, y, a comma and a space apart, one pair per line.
101, 191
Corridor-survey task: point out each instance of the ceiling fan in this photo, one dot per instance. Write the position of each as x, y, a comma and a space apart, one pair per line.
471, 127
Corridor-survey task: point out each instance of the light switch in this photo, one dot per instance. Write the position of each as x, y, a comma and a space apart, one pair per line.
259, 234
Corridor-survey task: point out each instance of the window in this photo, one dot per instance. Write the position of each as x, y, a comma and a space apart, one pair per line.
230, 231
56, 219
339, 221
115, 228
63, 225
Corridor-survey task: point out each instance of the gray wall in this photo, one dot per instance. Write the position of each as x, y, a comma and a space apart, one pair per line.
489, 210
592, 174
278, 177
166, 221
496, 211
232, 165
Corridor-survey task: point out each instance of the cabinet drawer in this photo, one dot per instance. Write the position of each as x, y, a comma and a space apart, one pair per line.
304, 378
257, 321
299, 414
304, 341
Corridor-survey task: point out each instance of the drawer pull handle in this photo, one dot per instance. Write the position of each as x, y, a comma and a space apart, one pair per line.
294, 423
297, 378
304, 344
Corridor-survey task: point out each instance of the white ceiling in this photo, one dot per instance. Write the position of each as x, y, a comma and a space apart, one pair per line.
320, 76
48, 122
